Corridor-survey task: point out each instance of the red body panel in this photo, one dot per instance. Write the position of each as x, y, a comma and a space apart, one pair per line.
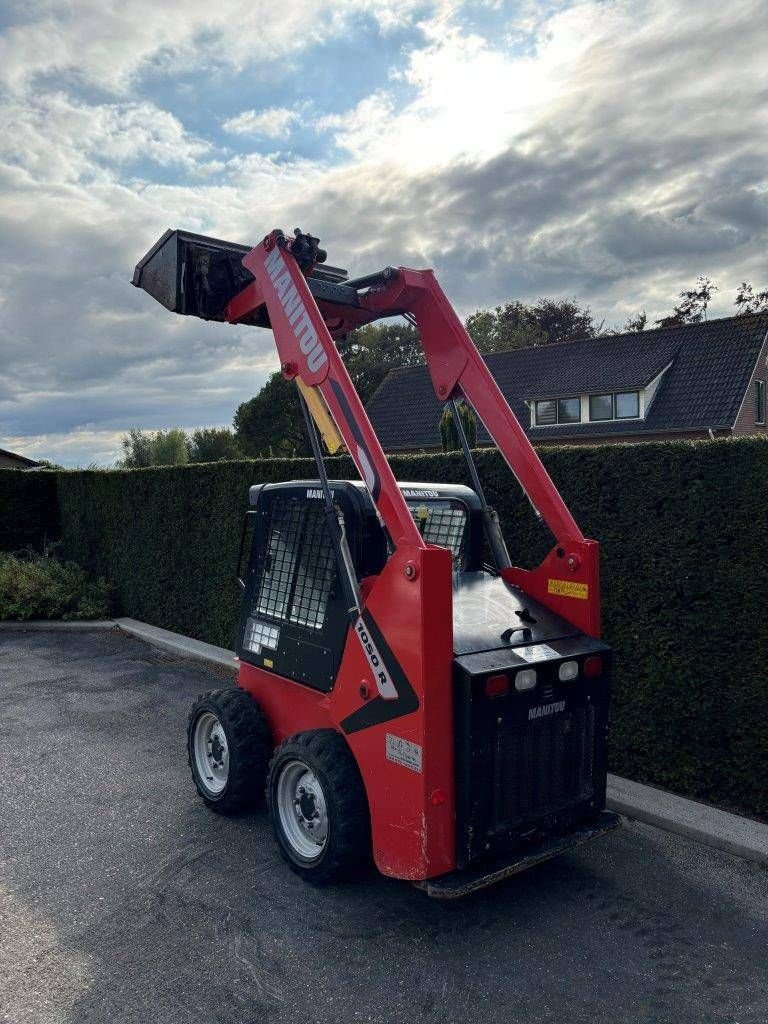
412, 807
412, 836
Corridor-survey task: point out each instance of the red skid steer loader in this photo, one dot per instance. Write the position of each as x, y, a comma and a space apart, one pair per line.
403, 689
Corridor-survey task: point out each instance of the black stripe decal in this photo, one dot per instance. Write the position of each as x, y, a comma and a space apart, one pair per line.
353, 425
378, 710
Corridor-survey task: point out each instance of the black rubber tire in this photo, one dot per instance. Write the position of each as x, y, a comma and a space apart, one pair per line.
348, 848
248, 739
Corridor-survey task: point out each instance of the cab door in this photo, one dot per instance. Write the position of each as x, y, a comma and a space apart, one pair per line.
293, 620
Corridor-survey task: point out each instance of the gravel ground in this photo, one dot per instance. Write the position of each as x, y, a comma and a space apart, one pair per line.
123, 900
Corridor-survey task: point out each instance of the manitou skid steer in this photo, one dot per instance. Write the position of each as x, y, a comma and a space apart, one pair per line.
402, 688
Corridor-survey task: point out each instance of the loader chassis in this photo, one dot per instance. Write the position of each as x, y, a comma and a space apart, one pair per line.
409, 677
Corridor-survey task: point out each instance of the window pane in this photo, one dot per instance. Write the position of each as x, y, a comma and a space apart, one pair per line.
569, 410
314, 574
297, 565
627, 405
759, 401
444, 524
601, 407
278, 561
546, 412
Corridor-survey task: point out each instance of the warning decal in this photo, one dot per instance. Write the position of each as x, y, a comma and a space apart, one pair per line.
403, 752
568, 588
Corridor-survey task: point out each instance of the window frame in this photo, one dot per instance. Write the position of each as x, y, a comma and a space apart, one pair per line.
602, 419
541, 401
556, 403
571, 398
616, 394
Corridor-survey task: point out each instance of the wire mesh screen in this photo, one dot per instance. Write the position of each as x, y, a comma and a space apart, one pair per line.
297, 565
544, 765
445, 525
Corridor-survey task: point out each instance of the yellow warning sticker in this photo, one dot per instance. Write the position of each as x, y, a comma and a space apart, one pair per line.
268, 663
568, 588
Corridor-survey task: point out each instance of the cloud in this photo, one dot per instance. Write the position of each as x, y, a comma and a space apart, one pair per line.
56, 139
270, 123
608, 151
108, 44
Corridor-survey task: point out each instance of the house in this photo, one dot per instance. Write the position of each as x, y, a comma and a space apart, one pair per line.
698, 380
10, 460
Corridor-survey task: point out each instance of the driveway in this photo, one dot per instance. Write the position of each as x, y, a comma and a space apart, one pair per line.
123, 900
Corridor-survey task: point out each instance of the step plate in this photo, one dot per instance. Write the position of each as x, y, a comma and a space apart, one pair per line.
461, 883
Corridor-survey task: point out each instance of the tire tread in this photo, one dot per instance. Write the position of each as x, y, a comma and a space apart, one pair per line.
327, 751
249, 745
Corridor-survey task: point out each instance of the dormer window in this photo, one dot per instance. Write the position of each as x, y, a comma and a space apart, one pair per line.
612, 405
627, 404
601, 407
558, 410
623, 405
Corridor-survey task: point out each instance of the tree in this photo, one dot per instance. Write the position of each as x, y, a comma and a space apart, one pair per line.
448, 433
636, 323
154, 448
750, 301
692, 308
137, 449
213, 444
271, 423
565, 320
517, 325
370, 352
505, 328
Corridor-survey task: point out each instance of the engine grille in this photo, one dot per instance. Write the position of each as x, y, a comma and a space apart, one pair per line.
543, 765
526, 765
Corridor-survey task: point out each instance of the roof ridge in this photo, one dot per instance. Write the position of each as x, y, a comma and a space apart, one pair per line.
632, 334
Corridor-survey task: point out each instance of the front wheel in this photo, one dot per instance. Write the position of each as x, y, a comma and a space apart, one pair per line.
318, 807
228, 749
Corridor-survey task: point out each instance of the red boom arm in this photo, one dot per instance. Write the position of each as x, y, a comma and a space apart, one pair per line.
567, 581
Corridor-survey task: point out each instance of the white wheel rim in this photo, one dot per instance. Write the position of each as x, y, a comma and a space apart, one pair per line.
302, 810
211, 753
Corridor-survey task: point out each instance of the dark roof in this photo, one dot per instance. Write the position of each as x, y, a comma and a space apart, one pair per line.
19, 458
710, 365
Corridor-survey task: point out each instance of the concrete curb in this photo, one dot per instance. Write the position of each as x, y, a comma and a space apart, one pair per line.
702, 824
184, 646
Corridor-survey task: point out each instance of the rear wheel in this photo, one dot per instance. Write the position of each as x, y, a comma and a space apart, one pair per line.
318, 807
228, 748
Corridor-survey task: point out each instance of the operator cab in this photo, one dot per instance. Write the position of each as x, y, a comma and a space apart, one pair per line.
294, 620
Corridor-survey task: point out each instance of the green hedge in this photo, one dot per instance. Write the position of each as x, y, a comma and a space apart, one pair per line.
684, 533
29, 513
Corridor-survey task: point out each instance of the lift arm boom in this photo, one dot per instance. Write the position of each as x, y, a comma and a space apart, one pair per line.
567, 581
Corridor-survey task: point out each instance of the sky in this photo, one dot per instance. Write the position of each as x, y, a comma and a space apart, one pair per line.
605, 150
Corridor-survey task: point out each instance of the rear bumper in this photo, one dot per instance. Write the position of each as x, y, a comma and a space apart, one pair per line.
461, 883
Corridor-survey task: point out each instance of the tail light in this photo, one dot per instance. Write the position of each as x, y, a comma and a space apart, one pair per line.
496, 686
593, 665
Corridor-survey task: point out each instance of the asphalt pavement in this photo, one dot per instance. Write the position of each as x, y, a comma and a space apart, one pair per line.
122, 899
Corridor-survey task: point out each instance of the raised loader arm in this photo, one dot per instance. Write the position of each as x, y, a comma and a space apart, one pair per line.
567, 581
307, 352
